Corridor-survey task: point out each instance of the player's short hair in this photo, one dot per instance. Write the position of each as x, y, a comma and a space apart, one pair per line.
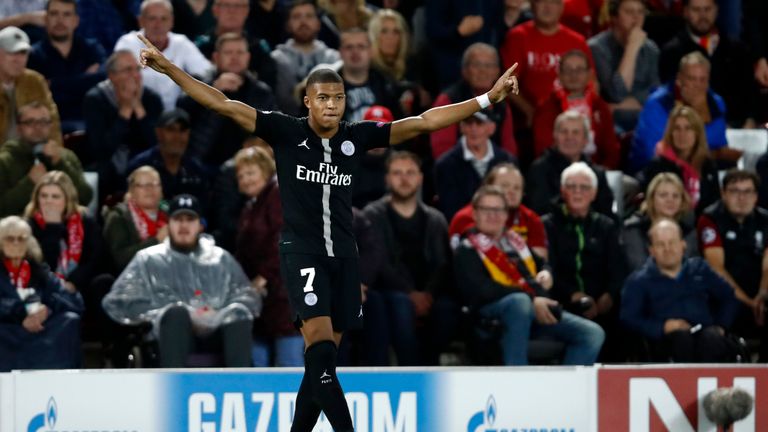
324, 76
736, 175
400, 155
489, 190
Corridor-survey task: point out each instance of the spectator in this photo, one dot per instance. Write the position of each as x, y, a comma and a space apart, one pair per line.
522, 220
479, 69
365, 86
731, 62
120, 115
515, 12
678, 303
214, 138
536, 47
413, 282
267, 18
180, 172
106, 22
585, 254
23, 162
581, 16
501, 279
40, 316
193, 293
690, 88
27, 14
342, 15
193, 18
574, 91
302, 52
733, 234
683, 151
156, 21
70, 63
459, 172
571, 133
626, 62
230, 18
21, 85
138, 222
256, 249
665, 197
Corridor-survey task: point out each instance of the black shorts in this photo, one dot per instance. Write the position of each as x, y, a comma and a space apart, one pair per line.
319, 285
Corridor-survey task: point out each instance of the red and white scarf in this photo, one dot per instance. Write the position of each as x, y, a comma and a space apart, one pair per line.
691, 177
72, 248
501, 269
145, 225
19, 276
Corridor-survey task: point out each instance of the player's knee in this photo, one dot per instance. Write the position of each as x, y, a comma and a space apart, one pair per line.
317, 329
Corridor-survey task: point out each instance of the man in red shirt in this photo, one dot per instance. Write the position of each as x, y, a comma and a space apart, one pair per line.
536, 46
521, 219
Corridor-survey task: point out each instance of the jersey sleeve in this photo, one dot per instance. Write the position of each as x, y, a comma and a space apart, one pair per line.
372, 134
271, 125
709, 236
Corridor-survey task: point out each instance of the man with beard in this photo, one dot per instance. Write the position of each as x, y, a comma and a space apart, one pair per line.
731, 62
407, 304
193, 292
70, 63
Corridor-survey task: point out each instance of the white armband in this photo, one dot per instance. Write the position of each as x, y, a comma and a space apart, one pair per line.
483, 100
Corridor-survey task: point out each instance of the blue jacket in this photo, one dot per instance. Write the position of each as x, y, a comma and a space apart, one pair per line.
47, 286
697, 295
653, 121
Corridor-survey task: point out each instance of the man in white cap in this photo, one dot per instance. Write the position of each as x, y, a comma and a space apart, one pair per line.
21, 86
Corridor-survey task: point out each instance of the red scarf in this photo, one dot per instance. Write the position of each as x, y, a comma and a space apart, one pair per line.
145, 225
72, 248
498, 264
581, 104
19, 276
691, 177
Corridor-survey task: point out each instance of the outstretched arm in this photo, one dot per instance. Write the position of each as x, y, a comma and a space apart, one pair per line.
204, 94
443, 116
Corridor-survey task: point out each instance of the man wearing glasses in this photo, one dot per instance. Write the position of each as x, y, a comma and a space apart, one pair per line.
25, 160
733, 233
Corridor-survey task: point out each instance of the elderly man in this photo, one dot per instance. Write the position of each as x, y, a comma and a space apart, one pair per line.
571, 135
691, 87
21, 85
214, 138
193, 292
574, 91
120, 114
479, 69
679, 304
70, 63
24, 161
584, 251
497, 274
156, 21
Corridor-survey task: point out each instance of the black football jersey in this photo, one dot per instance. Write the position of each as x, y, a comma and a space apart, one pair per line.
316, 176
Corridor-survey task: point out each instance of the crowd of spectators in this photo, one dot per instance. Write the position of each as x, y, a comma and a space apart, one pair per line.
130, 214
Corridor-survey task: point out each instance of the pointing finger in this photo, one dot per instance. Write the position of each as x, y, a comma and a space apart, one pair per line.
146, 41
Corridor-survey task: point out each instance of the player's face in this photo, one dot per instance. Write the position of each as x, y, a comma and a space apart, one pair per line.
701, 15
511, 182
666, 247
490, 215
326, 103
571, 138
184, 229
232, 57
404, 178
574, 74
578, 193
740, 198
61, 20
250, 180
667, 200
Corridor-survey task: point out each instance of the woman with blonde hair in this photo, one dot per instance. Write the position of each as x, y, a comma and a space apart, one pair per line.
684, 152
39, 316
665, 198
389, 42
275, 339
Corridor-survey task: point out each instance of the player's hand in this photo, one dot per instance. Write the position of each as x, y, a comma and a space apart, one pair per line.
505, 85
152, 57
